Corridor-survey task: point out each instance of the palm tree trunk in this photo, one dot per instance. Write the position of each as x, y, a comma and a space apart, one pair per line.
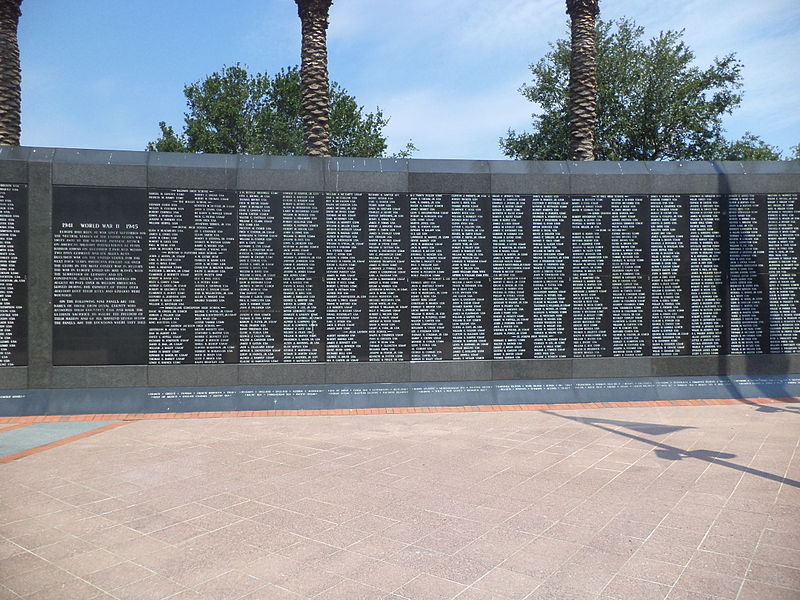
582, 78
9, 72
314, 75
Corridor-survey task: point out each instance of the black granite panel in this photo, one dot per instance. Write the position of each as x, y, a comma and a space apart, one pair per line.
346, 277
551, 267
470, 270
630, 268
99, 276
592, 278
708, 281
13, 274
192, 277
389, 288
512, 277
783, 280
260, 277
304, 284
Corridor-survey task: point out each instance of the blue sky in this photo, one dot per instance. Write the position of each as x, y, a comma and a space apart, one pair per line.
102, 73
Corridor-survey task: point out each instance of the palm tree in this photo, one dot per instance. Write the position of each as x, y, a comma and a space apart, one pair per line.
314, 75
582, 78
9, 72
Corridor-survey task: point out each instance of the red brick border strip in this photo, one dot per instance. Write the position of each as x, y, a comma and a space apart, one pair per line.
397, 410
61, 442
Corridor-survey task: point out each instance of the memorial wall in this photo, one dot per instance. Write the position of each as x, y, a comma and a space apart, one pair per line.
495, 269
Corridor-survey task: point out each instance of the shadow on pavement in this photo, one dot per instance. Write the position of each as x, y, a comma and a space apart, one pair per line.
667, 452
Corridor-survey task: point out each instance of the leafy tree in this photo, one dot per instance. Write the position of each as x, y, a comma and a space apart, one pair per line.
582, 105
233, 112
314, 74
10, 77
653, 103
749, 147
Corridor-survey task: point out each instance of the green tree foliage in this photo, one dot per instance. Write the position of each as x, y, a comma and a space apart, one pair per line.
749, 147
233, 112
653, 103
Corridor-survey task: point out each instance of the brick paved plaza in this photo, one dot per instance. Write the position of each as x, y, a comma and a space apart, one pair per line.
684, 503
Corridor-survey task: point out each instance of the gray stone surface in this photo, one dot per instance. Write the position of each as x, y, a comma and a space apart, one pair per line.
282, 374
378, 175
532, 369
442, 176
100, 168
684, 177
455, 370
674, 366
14, 164
193, 171
761, 364
601, 177
354, 372
173, 375
72, 377
527, 177
629, 366
281, 173
13, 378
40, 271
218, 375
115, 376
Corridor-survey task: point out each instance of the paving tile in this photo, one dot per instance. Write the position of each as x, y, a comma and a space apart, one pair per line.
657, 571
777, 555
271, 592
229, 586
185, 568
706, 582
460, 568
117, 576
9, 549
468, 594
154, 587
629, 588
553, 590
754, 590
777, 575
541, 558
428, 587
66, 547
508, 584
180, 532
309, 581
83, 564
666, 552
724, 564
351, 590
376, 546
74, 590
34, 581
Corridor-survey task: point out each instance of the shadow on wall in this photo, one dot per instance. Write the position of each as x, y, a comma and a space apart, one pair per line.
752, 251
